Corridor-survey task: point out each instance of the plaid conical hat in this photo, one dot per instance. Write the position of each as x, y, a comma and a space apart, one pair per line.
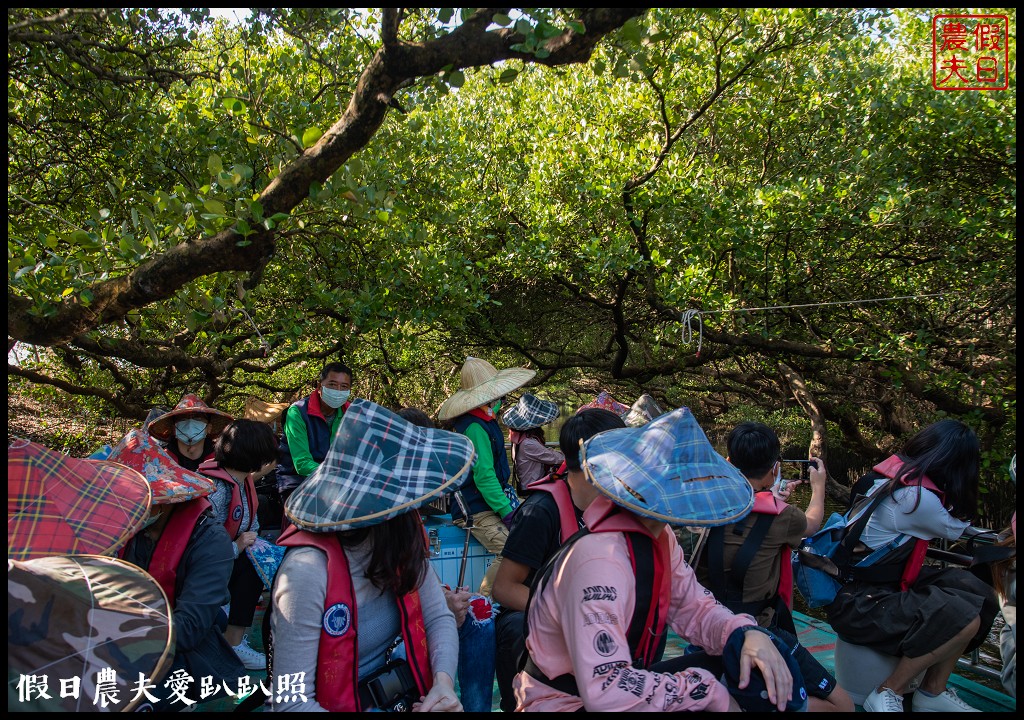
643, 411
170, 482
58, 505
668, 471
604, 401
482, 383
530, 412
379, 466
76, 615
163, 427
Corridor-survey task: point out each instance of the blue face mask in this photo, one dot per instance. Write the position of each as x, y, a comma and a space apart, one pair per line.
190, 432
334, 398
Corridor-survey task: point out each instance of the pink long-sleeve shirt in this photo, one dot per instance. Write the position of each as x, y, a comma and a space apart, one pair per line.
578, 624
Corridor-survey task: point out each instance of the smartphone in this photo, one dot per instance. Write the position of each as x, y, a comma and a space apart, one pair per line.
804, 465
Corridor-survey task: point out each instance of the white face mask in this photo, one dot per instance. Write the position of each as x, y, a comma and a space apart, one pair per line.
190, 432
334, 398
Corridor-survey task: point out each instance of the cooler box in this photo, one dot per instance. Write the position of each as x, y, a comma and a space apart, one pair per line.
446, 544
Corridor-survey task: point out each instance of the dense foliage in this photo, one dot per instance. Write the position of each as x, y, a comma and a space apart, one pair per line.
221, 208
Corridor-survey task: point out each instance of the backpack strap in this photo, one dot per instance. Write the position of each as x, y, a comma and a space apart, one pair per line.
730, 592
643, 646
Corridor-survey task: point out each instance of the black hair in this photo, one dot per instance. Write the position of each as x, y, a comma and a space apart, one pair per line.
416, 417
398, 558
753, 448
337, 367
583, 426
537, 433
948, 453
245, 445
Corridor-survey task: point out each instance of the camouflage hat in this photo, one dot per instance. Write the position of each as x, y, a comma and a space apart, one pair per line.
58, 505
75, 616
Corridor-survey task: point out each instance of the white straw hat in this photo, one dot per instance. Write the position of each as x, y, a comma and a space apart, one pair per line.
482, 383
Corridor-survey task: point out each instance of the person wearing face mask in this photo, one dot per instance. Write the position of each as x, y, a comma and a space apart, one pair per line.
472, 411
189, 430
309, 425
748, 562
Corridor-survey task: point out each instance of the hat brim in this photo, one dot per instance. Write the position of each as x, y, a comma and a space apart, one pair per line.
73, 616
169, 482
503, 383
379, 466
57, 505
667, 470
519, 421
163, 427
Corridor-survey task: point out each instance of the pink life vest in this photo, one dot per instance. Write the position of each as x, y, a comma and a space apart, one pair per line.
337, 662
890, 468
233, 521
555, 484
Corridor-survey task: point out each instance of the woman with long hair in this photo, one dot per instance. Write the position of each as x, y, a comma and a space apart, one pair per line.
926, 616
357, 611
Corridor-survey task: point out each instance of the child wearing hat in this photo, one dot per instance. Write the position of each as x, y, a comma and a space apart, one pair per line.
531, 458
599, 608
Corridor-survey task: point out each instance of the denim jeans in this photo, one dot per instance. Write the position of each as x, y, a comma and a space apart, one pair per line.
476, 657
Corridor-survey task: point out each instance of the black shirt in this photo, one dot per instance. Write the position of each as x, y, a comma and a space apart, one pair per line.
536, 532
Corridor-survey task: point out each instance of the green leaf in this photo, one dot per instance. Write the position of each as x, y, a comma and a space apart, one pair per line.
216, 207
501, 19
310, 136
456, 78
214, 164
508, 75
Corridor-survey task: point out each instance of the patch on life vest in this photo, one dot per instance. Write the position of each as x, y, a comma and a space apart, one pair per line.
237, 514
337, 620
481, 609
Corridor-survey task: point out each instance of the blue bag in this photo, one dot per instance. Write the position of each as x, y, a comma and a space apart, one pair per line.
815, 573
822, 563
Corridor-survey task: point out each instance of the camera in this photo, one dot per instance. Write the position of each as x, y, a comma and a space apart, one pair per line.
804, 465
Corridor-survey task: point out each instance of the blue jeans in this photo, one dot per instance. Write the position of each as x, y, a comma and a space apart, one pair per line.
476, 658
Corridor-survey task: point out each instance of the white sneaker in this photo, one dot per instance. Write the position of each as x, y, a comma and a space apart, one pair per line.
885, 701
251, 659
948, 701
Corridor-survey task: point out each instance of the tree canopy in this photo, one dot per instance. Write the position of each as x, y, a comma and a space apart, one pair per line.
200, 206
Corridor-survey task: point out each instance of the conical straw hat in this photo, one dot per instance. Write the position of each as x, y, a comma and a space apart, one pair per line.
482, 383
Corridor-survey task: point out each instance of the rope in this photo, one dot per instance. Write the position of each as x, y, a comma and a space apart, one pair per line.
689, 315
264, 345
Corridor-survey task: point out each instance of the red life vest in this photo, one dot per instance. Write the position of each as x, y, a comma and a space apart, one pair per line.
766, 503
170, 547
337, 662
233, 521
607, 517
556, 485
890, 468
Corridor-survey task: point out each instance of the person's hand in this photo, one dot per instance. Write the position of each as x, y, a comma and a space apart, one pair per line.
245, 540
783, 495
817, 474
441, 698
760, 652
458, 603
508, 520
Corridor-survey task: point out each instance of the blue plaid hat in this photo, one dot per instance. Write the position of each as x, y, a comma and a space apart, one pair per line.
530, 412
379, 466
668, 471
